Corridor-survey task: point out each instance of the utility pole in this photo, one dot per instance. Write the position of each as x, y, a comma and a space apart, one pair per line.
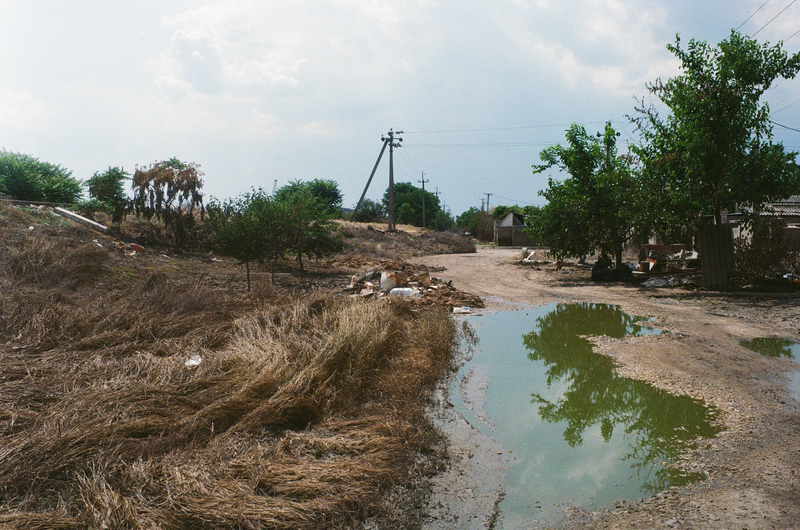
487, 200
423, 199
392, 144
482, 203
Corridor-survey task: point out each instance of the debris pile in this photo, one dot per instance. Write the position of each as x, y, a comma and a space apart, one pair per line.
419, 288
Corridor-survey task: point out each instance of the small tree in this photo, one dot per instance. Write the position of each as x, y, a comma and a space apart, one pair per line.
247, 229
408, 204
307, 228
169, 191
477, 222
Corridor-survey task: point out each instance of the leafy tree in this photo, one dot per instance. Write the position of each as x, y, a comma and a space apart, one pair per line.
597, 206
169, 191
248, 229
369, 212
308, 227
26, 178
107, 192
326, 192
714, 149
500, 211
408, 204
477, 222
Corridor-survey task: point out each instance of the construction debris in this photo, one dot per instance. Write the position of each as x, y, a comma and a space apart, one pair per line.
420, 289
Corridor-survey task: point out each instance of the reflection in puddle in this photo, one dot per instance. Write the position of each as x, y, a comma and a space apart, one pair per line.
581, 434
778, 347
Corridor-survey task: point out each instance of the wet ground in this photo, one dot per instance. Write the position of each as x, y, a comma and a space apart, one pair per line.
752, 466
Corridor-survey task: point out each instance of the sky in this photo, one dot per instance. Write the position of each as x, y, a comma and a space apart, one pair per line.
259, 91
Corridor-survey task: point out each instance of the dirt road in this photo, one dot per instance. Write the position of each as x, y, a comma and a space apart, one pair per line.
753, 466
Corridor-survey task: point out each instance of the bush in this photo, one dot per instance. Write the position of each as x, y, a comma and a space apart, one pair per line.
25, 178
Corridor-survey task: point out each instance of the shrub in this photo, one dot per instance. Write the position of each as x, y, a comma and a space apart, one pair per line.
25, 178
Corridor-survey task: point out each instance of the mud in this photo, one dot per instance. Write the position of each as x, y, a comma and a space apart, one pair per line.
753, 466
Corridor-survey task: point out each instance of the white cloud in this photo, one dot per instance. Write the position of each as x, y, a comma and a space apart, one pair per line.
20, 111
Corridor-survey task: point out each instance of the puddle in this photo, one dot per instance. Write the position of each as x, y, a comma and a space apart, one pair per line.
580, 434
778, 347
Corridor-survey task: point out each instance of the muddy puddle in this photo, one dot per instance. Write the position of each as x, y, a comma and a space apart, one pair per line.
578, 434
779, 347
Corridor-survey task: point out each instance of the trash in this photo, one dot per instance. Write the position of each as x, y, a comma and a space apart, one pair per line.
388, 281
461, 310
404, 292
137, 248
30, 227
656, 282
425, 279
193, 361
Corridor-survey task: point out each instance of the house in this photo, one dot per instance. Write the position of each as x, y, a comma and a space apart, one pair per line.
509, 230
789, 211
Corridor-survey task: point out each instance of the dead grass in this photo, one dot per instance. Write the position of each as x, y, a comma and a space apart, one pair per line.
302, 414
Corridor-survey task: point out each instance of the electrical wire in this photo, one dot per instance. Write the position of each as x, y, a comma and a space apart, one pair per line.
784, 126
498, 128
773, 18
751, 16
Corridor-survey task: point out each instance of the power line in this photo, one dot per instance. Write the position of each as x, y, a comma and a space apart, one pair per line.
784, 126
751, 16
500, 128
773, 18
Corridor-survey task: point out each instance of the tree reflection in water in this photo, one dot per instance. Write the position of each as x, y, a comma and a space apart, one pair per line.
771, 346
662, 425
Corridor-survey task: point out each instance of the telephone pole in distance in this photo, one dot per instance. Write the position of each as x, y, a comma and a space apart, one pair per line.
423, 181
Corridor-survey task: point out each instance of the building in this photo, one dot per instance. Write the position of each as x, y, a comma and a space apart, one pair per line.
509, 230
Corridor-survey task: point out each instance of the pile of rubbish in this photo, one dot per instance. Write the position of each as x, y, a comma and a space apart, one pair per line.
421, 289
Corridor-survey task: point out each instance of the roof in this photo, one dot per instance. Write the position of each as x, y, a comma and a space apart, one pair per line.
786, 208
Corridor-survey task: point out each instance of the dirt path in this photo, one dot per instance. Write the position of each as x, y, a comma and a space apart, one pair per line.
753, 467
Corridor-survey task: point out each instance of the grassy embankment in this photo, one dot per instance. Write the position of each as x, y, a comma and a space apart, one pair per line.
305, 412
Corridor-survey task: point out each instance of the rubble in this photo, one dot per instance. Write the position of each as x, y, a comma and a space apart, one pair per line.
420, 289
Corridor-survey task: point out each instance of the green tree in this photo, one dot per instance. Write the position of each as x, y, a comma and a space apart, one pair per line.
408, 204
596, 206
369, 212
308, 227
245, 229
108, 187
325, 192
477, 222
714, 149
26, 178
169, 191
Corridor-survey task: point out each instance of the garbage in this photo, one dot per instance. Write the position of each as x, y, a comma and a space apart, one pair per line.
137, 248
656, 282
193, 361
462, 310
388, 281
405, 292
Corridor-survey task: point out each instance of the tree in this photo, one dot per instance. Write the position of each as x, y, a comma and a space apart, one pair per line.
714, 149
308, 227
325, 192
26, 178
477, 222
408, 204
169, 191
369, 212
246, 229
597, 206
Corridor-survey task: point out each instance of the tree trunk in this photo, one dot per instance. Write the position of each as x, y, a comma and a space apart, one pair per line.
715, 245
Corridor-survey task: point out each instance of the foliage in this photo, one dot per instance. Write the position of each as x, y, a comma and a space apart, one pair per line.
369, 212
308, 228
246, 228
408, 204
596, 206
714, 150
108, 187
26, 178
444, 221
169, 191
325, 192
477, 222
764, 251
500, 211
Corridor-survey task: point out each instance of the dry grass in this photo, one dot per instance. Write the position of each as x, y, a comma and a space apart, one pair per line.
302, 414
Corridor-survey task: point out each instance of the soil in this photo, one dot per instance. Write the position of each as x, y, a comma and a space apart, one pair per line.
752, 467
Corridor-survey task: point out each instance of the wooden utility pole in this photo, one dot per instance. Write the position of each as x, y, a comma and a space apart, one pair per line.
487, 200
392, 145
423, 199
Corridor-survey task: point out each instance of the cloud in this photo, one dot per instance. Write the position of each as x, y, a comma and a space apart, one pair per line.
20, 111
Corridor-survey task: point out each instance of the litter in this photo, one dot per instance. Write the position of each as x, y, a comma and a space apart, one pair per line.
193, 361
462, 310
